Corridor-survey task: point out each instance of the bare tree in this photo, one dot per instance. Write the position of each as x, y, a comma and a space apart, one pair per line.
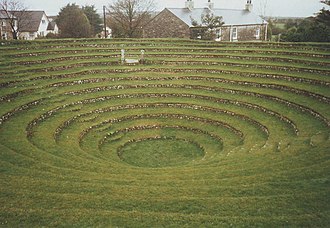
263, 11
16, 14
263, 6
127, 17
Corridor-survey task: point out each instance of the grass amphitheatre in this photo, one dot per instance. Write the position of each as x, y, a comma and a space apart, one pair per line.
203, 134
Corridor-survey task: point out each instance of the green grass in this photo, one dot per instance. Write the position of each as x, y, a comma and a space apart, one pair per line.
160, 152
205, 134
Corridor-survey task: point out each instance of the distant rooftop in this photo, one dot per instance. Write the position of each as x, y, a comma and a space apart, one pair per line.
30, 20
35, 19
229, 16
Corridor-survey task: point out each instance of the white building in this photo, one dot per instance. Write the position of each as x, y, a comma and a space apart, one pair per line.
37, 24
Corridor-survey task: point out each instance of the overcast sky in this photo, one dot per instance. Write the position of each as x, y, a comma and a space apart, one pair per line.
288, 8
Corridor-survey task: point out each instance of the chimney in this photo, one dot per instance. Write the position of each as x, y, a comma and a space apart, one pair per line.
249, 5
190, 4
210, 5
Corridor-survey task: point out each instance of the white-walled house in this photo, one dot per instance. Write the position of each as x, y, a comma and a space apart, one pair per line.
37, 24
108, 31
52, 26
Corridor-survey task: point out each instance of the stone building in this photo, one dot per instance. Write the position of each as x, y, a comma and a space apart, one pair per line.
5, 27
239, 24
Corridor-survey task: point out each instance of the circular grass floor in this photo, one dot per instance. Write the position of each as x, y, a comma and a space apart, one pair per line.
160, 152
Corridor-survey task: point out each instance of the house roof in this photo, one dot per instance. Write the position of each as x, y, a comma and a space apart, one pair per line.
51, 26
30, 20
229, 16
34, 18
3, 15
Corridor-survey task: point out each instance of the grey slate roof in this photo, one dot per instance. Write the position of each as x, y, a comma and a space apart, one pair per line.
51, 26
229, 16
3, 15
29, 20
34, 20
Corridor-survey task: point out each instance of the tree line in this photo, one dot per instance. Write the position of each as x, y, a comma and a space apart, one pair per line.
311, 29
126, 18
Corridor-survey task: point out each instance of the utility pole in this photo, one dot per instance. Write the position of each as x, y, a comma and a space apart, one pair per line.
105, 24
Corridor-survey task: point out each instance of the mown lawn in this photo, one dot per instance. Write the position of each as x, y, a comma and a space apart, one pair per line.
204, 134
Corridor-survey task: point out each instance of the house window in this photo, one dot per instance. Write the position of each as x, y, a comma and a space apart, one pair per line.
258, 33
234, 34
218, 35
3, 23
4, 36
43, 21
31, 34
42, 33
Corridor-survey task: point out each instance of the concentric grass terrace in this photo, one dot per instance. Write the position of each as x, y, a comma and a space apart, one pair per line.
203, 135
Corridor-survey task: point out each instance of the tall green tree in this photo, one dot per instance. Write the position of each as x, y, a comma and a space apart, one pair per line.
73, 23
313, 29
309, 30
324, 15
94, 19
